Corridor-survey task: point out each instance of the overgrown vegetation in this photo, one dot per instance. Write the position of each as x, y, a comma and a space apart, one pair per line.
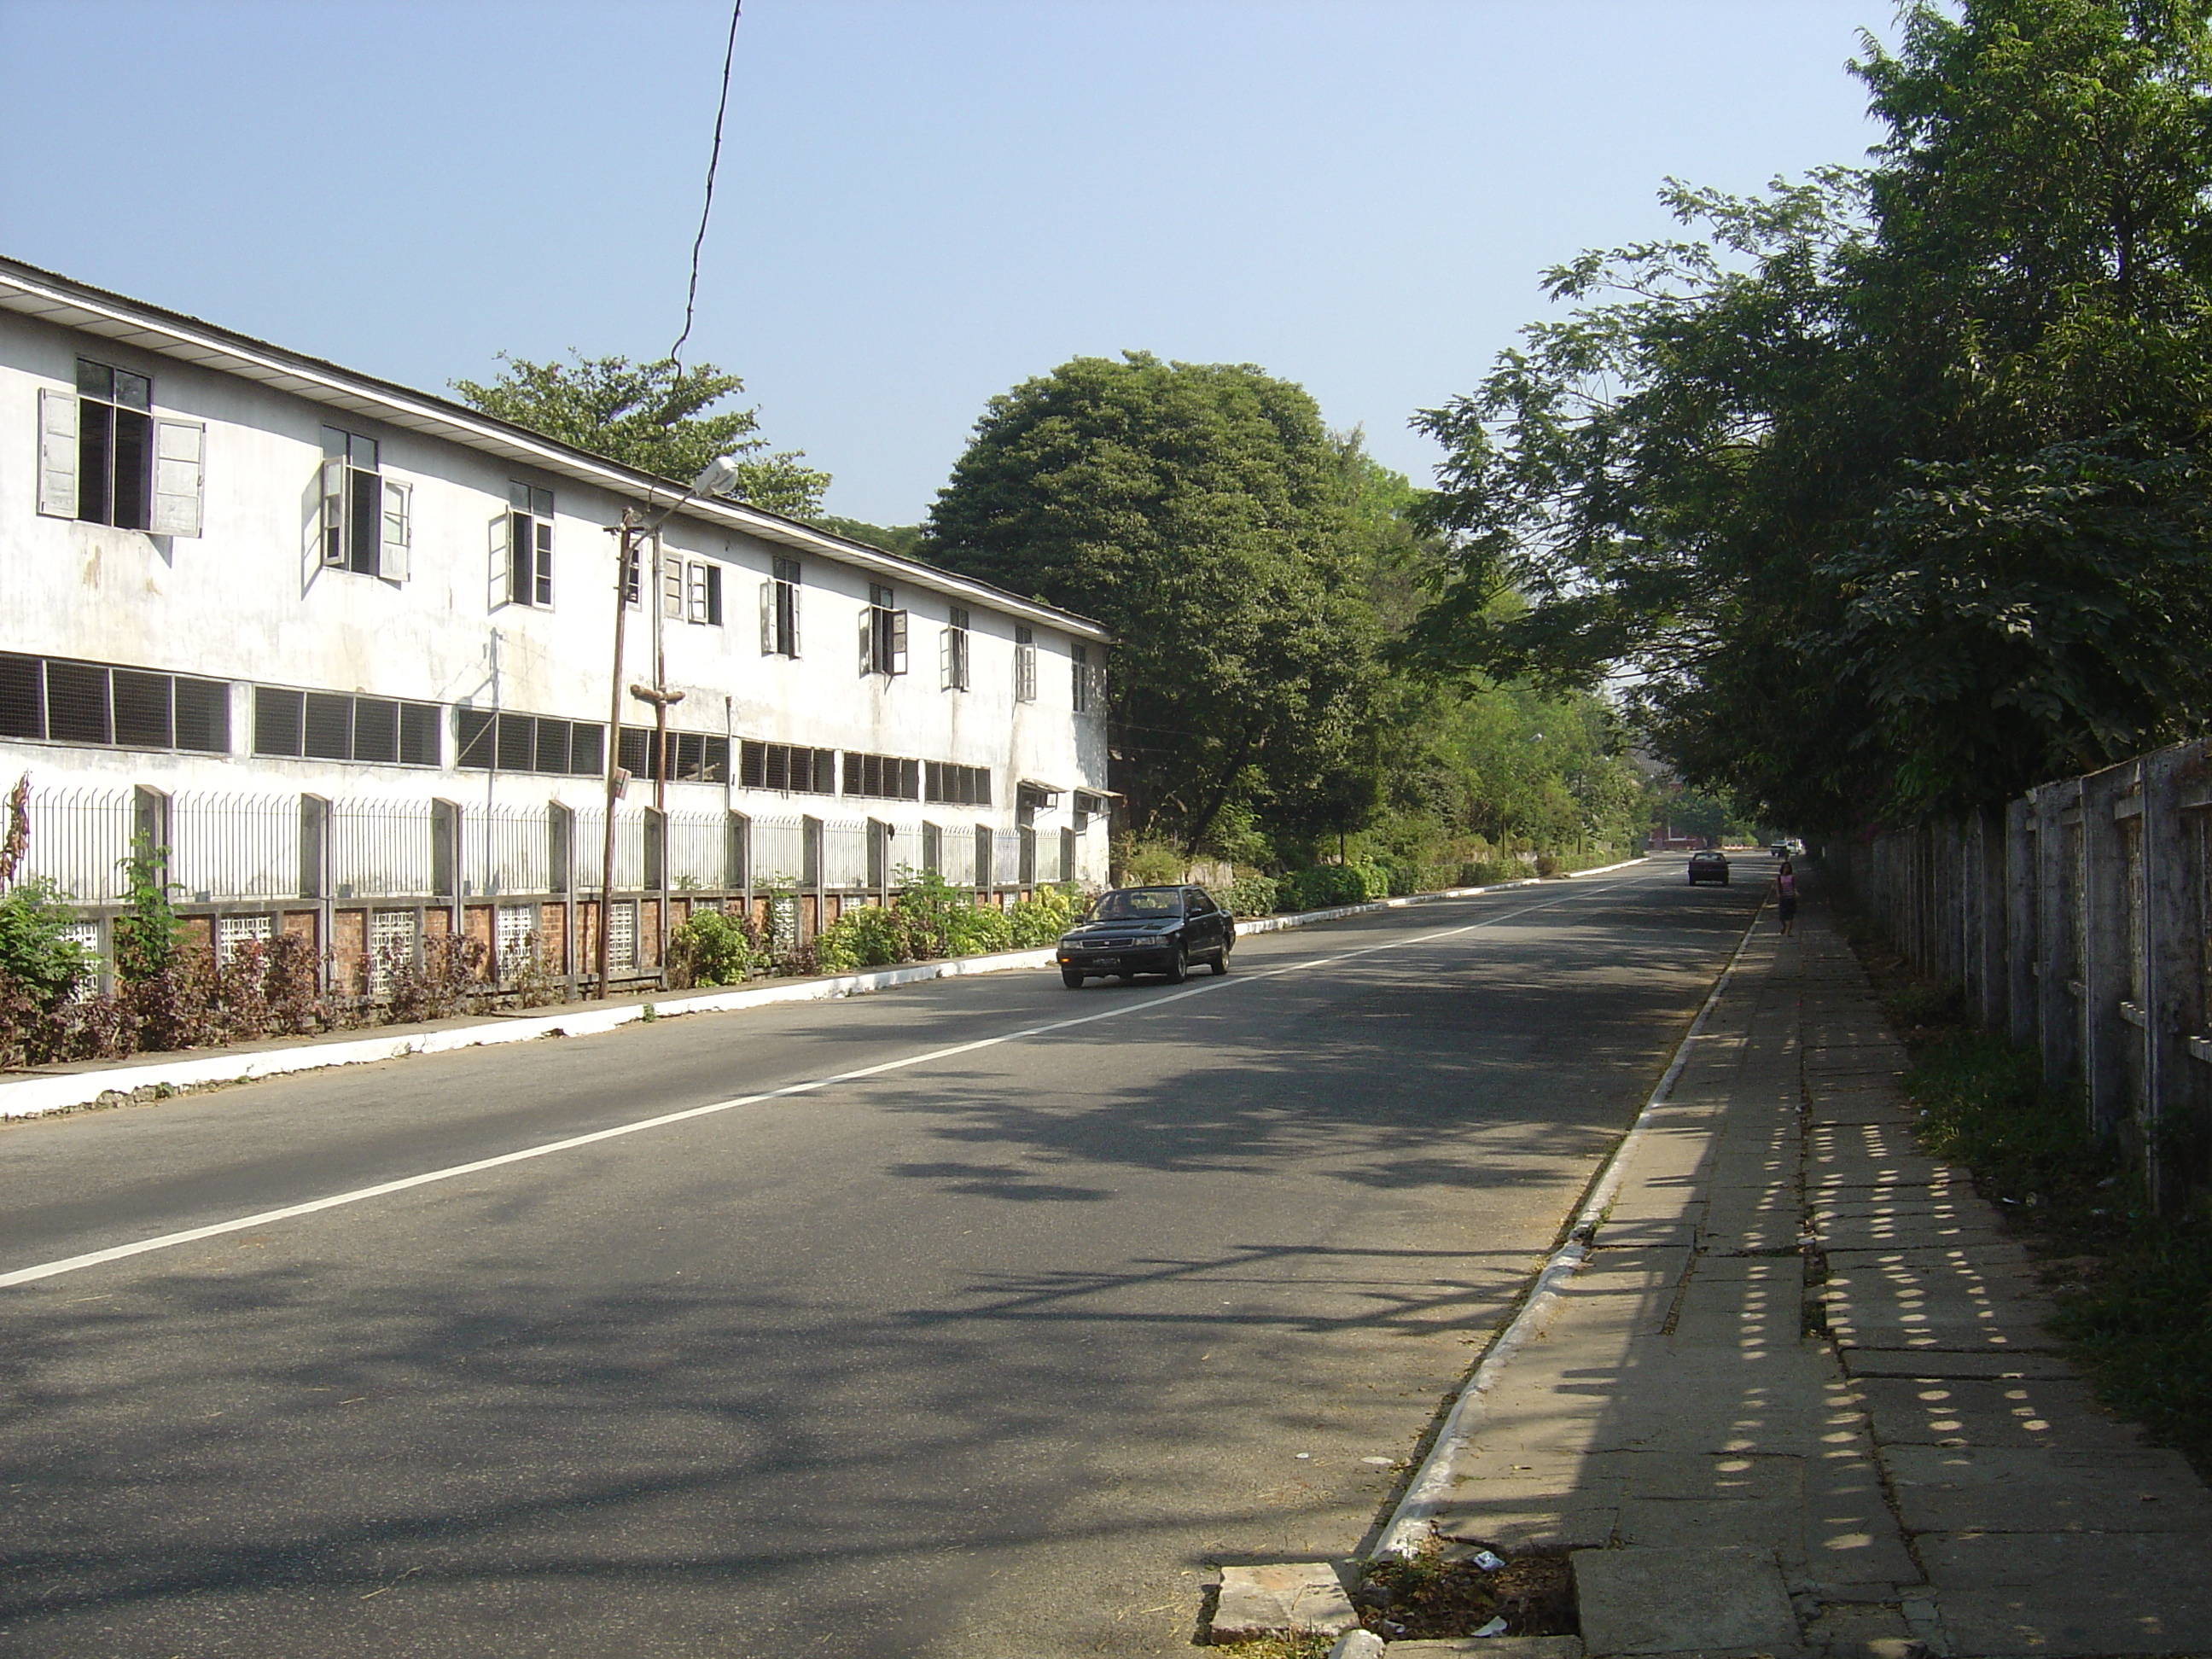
2134, 1289
1889, 487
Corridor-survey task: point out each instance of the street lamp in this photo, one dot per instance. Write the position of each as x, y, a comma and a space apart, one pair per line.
717, 478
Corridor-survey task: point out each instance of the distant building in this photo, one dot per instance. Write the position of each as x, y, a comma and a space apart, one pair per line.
345, 649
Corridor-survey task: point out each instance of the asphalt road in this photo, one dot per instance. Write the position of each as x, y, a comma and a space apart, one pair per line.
988, 1353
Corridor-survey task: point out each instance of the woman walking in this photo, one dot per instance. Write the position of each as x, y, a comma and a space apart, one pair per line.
1785, 894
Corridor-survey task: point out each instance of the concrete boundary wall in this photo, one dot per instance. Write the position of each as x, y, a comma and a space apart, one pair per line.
60, 1090
2075, 922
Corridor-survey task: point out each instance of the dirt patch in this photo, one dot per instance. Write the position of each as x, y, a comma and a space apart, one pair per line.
1433, 1597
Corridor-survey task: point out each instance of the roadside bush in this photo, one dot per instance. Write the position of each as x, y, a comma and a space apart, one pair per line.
1043, 916
36, 953
1547, 864
978, 930
869, 937
712, 948
931, 911
448, 982
1326, 886
1251, 895
1151, 863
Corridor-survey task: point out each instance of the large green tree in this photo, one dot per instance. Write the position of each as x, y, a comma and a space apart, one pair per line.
1889, 487
657, 417
1200, 511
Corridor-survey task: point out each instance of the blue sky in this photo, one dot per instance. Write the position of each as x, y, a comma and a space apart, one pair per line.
921, 202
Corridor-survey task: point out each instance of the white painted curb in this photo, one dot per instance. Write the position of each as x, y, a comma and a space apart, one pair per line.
57, 1092
1429, 1494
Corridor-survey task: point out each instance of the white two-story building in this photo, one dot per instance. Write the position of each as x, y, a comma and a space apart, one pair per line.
347, 651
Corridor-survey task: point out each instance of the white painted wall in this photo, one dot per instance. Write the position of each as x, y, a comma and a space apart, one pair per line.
248, 601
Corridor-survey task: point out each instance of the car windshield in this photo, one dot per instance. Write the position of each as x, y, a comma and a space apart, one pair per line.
1137, 904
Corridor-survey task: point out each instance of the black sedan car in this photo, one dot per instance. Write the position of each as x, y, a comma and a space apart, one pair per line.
1709, 866
1147, 930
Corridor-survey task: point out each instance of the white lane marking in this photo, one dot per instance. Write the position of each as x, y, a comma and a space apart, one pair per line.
547, 1149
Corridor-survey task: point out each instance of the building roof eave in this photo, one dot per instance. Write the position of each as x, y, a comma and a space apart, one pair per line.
28, 291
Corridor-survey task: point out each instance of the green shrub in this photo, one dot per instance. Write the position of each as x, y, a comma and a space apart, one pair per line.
711, 948
35, 950
1152, 864
1041, 918
1327, 886
1252, 896
149, 937
977, 930
868, 937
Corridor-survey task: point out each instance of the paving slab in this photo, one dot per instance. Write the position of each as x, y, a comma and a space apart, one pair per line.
1943, 1411
1295, 1598
2034, 1489
1681, 1601
2076, 1594
1935, 1362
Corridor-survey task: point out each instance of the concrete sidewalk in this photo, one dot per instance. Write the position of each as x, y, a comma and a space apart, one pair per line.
1798, 1399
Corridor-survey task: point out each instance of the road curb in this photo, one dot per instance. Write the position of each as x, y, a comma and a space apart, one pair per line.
41, 1094
1429, 1491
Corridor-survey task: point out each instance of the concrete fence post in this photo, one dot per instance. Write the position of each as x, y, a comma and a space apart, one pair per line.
2020, 1014
2105, 935
2177, 1105
2056, 843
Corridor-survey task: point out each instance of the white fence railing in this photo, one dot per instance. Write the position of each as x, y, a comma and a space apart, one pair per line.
381, 848
78, 839
227, 849
234, 845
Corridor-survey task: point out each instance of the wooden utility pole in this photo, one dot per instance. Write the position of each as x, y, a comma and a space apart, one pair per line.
627, 535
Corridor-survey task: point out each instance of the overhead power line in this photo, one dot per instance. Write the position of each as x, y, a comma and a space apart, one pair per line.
706, 207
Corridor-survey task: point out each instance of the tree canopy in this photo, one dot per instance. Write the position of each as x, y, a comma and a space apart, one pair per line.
654, 417
1888, 488
1199, 511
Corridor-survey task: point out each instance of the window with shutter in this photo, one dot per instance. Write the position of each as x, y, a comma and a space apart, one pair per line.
394, 557
530, 546
353, 502
180, 452
58, 431
114, 445
1026, 670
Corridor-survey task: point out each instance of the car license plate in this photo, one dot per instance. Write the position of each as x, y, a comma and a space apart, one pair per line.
1105, 962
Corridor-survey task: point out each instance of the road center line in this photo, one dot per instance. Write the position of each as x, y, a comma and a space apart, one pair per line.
547, 1149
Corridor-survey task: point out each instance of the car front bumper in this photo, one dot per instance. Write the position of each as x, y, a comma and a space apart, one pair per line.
1149, 958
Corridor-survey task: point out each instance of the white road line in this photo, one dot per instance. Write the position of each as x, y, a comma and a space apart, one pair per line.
263, 1218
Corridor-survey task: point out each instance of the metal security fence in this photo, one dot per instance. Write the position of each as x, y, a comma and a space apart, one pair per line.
382, 848
2076, 920
509, 849
778, 854
845, 856
224, 846
79, 838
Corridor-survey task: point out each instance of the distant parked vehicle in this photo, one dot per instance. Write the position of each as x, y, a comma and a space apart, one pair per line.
1780, 849
1147, 930
1709, 866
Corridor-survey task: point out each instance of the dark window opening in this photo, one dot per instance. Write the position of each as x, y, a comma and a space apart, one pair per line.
143, 711
527, 743
77, 704
114, 445
530, 546
338, 726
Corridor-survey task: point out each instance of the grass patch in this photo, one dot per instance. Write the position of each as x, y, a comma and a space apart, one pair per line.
2134, 1289
1280, 1647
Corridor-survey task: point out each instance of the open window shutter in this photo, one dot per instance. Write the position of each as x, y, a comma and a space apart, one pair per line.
945, 675
694, 592
393, 557
898, 643
332, 551
867, 638
768, 618
180, 452
794, 618
501, 575
57, 454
